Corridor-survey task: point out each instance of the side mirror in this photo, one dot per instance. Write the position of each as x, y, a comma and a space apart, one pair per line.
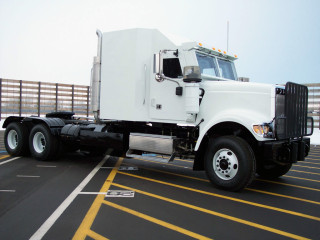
192, 74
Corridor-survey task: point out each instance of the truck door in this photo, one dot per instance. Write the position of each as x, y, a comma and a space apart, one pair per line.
165, 103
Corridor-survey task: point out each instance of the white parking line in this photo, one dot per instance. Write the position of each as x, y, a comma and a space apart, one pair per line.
46, 166
7, 190
27, 176
10, 160
65, 204
93, 193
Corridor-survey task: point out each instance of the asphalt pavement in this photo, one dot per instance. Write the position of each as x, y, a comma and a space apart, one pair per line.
84, 197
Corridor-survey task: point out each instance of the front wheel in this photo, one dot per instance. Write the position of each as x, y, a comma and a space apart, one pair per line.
229, 163
43, 145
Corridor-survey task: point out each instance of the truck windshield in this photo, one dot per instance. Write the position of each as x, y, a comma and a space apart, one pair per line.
226, 69
210, 65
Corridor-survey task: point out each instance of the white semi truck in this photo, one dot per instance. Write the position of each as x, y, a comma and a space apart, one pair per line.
157, 100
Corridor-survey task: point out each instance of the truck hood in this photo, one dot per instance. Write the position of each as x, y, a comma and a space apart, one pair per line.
235, 86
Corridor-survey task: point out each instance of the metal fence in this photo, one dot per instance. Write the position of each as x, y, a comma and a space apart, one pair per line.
314, 102
25, 98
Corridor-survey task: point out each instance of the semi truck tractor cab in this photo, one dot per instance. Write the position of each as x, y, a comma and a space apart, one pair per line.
154, 99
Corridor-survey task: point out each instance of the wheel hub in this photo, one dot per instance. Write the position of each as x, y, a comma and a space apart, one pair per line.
225, 164
39, 142
12, 139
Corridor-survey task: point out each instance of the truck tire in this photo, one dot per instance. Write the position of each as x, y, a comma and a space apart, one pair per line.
16, 139
273, 171
229, 163
43, 145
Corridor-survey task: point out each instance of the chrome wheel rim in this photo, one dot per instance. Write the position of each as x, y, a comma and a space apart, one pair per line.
225, 164
39, 142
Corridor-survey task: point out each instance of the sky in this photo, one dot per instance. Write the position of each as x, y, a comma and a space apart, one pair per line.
55, 41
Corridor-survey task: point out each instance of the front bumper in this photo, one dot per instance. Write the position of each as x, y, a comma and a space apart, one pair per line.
284, 151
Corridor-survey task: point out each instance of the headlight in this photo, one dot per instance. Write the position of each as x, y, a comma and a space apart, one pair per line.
263, 130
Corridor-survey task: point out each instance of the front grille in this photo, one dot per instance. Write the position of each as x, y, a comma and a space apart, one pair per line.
293, 123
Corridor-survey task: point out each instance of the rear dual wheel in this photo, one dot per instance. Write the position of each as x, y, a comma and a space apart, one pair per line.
16, 139
43, 144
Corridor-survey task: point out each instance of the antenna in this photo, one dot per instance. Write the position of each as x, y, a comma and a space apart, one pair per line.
227, 36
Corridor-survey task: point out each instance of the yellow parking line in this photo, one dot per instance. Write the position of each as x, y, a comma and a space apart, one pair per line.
155, 220
284, 196
179, 159
305, 166
306, 179
225, 216
226, 197
86, 223
311, 158
249, 189
162, 163
304, 172
4, 156
310, 163
289, 185
96, 236
183, 160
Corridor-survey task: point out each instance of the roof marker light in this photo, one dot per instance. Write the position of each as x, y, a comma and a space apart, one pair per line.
200, 44
219, 50
213, 48
224, 52
236, 55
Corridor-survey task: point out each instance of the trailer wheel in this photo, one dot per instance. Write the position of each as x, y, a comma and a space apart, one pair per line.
16, 139
273, 171
43, 145
229, 163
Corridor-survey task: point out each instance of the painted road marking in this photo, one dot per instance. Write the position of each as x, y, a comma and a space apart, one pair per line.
249, 189
96, 236
310, 163
27, 176
4, 156
225, 216
8, 191
287, 184
10, 160
93, 193
304, 172
85, 226
305, 166
306, 179
64, 205
119, 193
156, 221
161, 163
45, 166
226, 197
123, 168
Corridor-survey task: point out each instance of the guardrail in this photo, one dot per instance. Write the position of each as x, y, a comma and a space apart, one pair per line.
314, 102
25, 98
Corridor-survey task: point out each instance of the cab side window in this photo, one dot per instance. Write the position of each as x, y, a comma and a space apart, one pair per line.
172, 67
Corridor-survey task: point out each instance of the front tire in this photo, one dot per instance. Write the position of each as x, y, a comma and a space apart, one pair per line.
229, 163
43, 145
16, 139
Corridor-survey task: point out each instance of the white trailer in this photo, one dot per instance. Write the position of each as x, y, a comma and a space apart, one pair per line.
151, 97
